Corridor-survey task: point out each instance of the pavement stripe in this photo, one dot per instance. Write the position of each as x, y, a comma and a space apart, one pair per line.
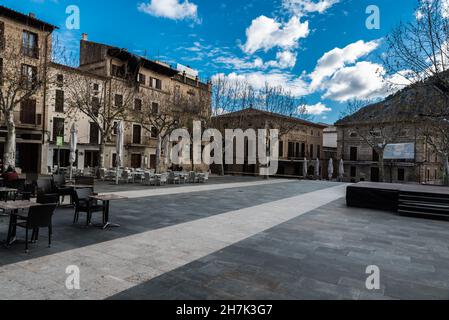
111, 267
195, 188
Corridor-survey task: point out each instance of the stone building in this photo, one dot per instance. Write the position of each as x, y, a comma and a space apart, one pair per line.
25, 49
408, 158
44, 119
299, 139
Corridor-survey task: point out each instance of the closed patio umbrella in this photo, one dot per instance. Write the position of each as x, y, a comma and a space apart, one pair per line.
341, 170
119, 147
317, 167
330, 168
304, 168
73, 147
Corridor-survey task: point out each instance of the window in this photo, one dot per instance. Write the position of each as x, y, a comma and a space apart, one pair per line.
118, 100
156, 83
401, 174
318, 151
303, 150
28, 111
59, 101
118, 71
353, 154
58, 128
291, 149
311, 150
141, 78
155, 108
114, 128
375, 155
96, 87
60, 80
29, 76
353, 172
154, 132
137, 130
138, 105
297, 150
353, 134
281, 149
94, 133
29, 44
95, 106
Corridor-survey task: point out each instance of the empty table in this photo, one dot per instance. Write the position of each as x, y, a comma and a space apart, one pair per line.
106, 198
13, 208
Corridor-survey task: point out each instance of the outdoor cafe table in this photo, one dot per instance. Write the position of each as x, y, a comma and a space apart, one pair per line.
106, 198
13, 208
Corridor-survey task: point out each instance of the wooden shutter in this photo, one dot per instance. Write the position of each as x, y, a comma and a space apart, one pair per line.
59, 101
28, 111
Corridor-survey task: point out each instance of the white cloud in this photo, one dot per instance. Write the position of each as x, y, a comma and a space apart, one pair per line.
338, 58
365, 80
284, 60
171, 9
266, 33
296, 85
316, 109
304, 7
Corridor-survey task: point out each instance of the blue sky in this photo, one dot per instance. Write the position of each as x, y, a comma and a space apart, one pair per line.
319, 49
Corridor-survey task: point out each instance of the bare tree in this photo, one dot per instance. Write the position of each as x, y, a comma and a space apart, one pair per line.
419, 52
21, 78
375, 129
103, 101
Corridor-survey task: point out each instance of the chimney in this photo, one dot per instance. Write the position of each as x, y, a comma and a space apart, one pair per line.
32, 15
84, 37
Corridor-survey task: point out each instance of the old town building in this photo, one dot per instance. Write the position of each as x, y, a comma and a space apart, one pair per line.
115, 78
298, 140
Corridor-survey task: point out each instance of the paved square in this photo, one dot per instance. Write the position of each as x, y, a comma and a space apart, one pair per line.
233, 238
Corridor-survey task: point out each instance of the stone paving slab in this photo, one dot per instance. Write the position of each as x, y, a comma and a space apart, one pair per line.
114, 266
320, 255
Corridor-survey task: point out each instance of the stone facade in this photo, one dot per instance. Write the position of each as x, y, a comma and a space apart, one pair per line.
298, 139
362, 162
25, 42
101, 65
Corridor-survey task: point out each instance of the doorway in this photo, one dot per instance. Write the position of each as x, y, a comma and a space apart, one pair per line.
136, 160
375, 174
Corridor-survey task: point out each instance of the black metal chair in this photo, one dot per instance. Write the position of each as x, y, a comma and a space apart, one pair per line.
23, 191
45, 187
59, 188
38, 217
83, 203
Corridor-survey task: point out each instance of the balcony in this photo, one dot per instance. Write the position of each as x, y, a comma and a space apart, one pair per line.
32, 52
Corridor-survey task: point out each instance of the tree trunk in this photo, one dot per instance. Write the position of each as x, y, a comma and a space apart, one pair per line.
102, 155
158, 152
10, 144
381, 167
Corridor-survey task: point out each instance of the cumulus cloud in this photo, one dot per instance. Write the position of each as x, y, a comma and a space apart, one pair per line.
316, 109
266, 33
364, 80
171, 9
304, 7
338, 58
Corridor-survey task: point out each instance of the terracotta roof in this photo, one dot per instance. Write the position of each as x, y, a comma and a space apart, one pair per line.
26, 19
253, 111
